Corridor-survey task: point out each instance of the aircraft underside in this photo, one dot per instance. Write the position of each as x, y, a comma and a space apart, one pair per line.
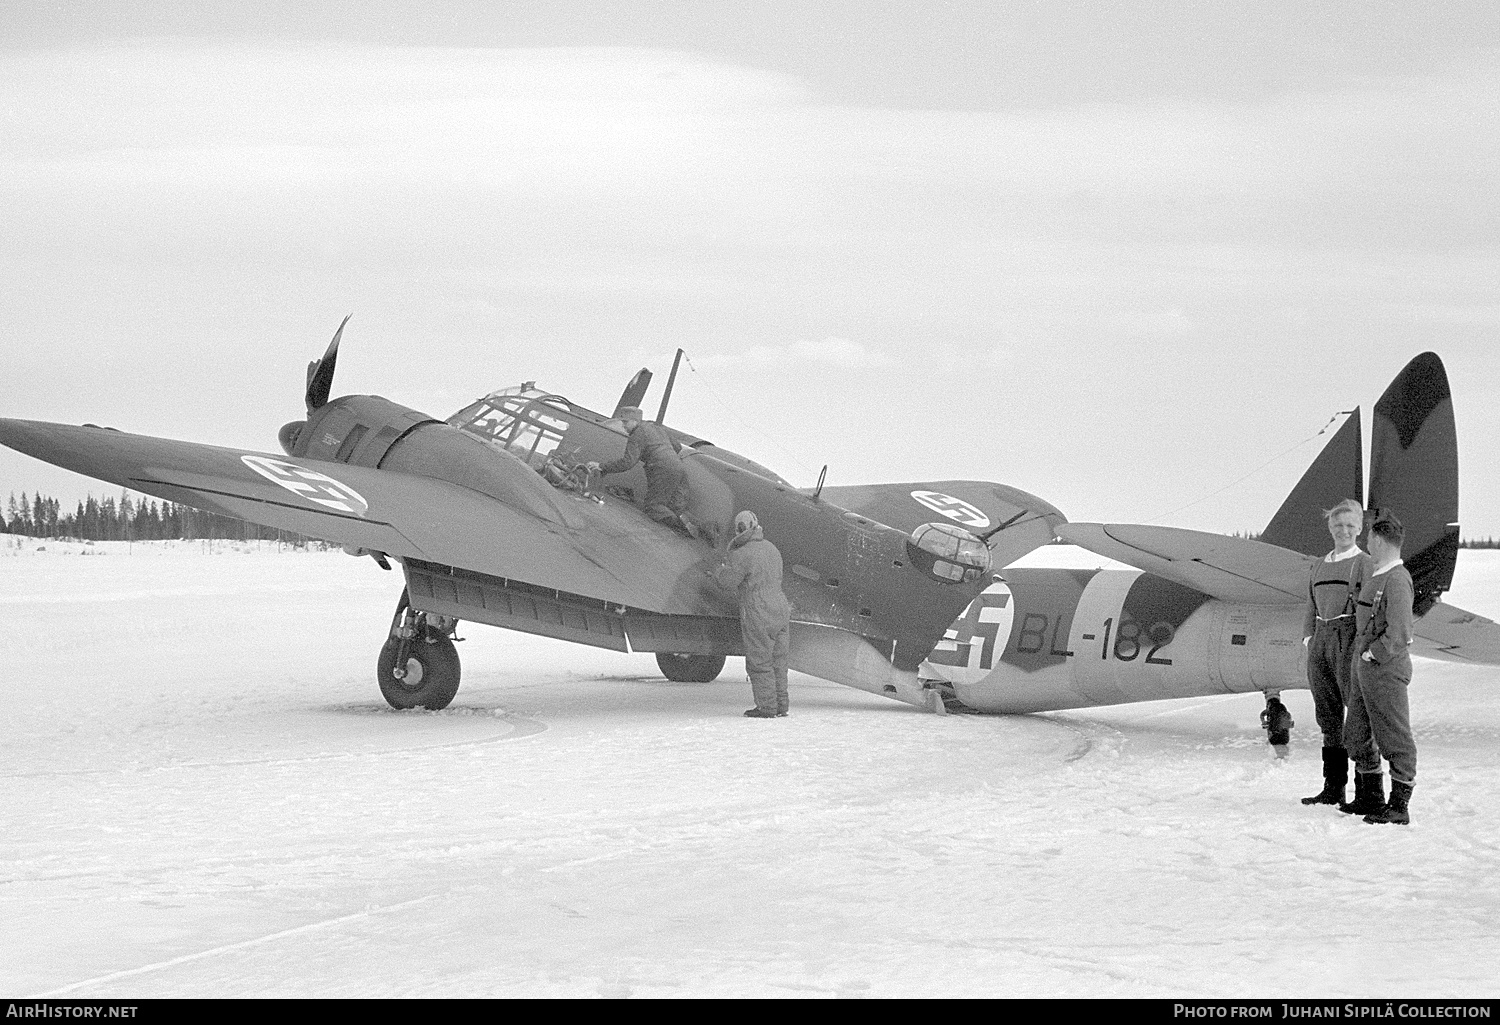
690, 648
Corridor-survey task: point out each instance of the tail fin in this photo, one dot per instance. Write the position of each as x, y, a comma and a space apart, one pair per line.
1414, 472
1338, 473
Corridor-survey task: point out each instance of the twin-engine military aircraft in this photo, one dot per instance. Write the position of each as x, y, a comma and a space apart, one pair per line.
491, 522
897, 589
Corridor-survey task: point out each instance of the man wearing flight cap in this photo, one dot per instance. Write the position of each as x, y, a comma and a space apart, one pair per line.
752, 569
666, 478
1379, 720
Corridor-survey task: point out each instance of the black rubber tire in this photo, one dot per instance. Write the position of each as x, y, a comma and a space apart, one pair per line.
440, 674
690, 668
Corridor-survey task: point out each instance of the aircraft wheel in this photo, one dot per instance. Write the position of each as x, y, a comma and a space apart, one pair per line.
689, 668
432, 672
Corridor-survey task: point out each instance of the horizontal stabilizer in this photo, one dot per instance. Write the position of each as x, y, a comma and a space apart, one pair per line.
1453, 635
1231, 569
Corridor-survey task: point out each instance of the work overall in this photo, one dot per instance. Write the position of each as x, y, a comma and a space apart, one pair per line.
753, 569
1334, 586
1379, 711
666, 498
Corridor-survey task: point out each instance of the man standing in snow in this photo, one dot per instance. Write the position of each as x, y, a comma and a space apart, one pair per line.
752, 569
1328, 632
1379, 713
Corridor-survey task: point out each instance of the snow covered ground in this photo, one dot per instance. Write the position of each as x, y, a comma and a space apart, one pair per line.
204, 794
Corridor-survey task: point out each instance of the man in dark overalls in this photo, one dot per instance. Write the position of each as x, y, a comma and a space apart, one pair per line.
1328, 631
666, 479
1379, 714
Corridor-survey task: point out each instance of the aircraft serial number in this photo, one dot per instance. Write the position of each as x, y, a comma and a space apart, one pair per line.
1130, 640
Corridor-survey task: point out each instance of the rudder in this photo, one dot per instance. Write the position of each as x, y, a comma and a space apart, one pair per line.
1414, 472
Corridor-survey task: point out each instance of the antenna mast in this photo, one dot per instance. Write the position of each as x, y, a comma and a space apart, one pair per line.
667, 395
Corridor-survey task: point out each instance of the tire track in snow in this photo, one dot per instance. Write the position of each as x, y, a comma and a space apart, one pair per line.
521, 727
202, 954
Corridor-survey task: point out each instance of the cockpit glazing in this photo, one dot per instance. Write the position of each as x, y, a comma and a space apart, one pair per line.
526, 422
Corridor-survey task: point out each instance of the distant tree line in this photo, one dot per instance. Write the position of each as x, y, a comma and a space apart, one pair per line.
1473, 542
146, 519
139, 519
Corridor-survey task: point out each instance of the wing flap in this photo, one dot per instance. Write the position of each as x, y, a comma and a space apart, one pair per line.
614, 553
1231, 569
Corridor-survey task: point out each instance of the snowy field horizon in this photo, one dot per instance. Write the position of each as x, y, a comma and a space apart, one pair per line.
207, 796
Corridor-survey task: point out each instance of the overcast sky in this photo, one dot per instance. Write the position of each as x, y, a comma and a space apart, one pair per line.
1119, 255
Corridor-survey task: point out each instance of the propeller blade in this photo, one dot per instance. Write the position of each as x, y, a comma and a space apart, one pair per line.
635, 391
320, 371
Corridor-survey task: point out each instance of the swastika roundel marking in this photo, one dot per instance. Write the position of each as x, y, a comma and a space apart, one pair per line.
309, 484
955, 509
974, 643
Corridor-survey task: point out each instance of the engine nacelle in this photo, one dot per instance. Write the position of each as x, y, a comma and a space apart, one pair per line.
357, 429
367, 430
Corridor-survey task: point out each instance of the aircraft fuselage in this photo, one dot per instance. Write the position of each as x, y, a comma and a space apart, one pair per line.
1040, 639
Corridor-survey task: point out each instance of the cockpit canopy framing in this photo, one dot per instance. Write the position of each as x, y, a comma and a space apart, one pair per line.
528, 423
948, 553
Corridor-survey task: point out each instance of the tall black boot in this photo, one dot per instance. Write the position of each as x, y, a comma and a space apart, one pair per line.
1369, 794
1395, 809
1335, 777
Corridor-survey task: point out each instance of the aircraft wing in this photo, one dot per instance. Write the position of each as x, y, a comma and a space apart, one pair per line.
1453, 635
1025, 522
1231, 569
607, 552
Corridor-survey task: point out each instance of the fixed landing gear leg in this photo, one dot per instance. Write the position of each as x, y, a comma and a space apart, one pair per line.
1277, 722
418, 665
402, 631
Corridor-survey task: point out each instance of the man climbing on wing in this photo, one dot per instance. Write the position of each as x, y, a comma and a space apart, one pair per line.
666, 478
752, 570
